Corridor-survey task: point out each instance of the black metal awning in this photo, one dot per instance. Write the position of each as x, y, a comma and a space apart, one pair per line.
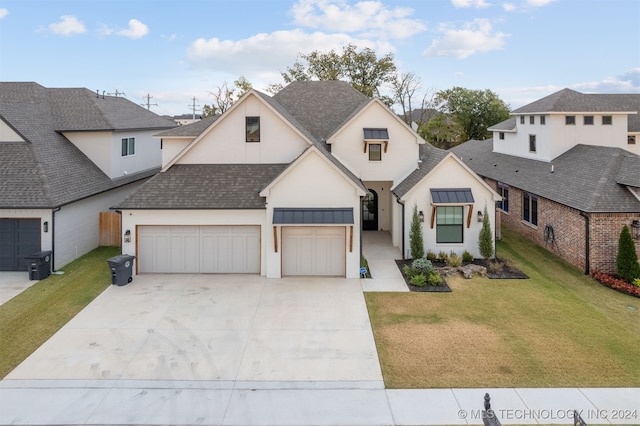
376, 133
451, 196
317, 216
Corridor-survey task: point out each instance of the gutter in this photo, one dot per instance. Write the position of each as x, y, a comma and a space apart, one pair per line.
587, 234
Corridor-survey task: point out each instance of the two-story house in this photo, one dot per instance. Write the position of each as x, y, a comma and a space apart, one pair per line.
285, 185
568, 168
67, 154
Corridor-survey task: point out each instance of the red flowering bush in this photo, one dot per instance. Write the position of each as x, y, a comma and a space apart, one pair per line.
615, 283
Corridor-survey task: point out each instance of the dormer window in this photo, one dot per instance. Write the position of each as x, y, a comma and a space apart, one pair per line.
376, 141
252, 127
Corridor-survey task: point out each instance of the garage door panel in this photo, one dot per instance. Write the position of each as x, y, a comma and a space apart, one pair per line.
313, 251
18, 238
199, 249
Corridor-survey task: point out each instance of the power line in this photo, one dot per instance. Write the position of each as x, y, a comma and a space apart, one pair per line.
148, 103
193, 107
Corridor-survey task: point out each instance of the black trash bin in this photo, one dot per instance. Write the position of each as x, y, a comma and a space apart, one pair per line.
39, 265
121, 269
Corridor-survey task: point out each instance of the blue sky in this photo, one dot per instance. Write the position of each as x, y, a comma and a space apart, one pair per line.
175, 50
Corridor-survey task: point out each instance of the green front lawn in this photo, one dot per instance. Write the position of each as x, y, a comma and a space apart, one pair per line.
30, 318
559, 328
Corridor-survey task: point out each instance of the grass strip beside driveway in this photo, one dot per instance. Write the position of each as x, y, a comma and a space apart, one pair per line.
33, 316
559, 328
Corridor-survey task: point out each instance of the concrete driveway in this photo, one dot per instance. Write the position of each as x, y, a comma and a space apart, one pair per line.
212, 327
13, 283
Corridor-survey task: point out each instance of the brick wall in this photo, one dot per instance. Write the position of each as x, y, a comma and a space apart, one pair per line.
569, 230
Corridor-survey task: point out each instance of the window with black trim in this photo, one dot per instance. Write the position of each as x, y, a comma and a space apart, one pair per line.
375, 152
607, 120
631, 140
128, 146
502, 135
588, 120
449, 224
532, 143
252, 129
503, 190
570, 120
530, 208
532, 119
543, 120
522, 119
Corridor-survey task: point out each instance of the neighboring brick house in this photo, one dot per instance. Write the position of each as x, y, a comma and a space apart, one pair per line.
568, 168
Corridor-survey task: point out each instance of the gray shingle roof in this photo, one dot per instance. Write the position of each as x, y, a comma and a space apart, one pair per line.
585, 177
504, 126
430, 157
205, 186
47, 170
567, 100
190, 130
321, 106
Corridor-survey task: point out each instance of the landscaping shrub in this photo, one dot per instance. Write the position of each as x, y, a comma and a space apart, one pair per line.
416, 241
485, 239
615, 283
431, 256
454, 260
442, 257
434, 278
418, 280
422, 266
495, 267
636, 282
627, 264
408, 271
467, 257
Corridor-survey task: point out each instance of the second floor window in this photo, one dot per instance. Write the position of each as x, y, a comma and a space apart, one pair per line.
588, 120
253, 129
375, 152
501, 135
542, 120
522, 119
532, 119
607, 120
570, 120
128, 146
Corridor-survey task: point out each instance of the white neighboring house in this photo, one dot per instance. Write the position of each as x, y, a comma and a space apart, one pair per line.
285, 186
67, 154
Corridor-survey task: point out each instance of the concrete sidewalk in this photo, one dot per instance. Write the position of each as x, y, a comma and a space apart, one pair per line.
42, 402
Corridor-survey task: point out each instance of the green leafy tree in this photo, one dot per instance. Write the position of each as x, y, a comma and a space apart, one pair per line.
627, 259
485, 239
442, 131
360, 68
416, 241
473, 110
208, 111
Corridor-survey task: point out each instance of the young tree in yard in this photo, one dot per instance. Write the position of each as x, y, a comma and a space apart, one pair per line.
416, 241
627, 260
485, 240
473, 110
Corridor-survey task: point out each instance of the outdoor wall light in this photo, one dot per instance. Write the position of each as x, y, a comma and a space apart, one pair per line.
635, 229
421, 216
45, 226
480, 217
127, 236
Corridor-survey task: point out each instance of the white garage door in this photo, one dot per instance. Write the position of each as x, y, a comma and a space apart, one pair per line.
313, 250
199, 249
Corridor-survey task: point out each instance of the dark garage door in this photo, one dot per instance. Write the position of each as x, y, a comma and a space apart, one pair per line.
18, 238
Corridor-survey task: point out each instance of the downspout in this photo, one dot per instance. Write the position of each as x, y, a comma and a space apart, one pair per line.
53, 237
361, 232
587, 232
402, 204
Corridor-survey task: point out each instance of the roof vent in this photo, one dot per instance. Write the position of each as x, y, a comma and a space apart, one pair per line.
552, 168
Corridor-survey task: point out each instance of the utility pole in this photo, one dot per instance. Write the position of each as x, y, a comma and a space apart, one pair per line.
193, 108
148, 103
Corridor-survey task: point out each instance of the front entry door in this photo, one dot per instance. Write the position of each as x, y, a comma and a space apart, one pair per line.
370, 211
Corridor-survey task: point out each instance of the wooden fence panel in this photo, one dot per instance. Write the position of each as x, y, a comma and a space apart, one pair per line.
110, 230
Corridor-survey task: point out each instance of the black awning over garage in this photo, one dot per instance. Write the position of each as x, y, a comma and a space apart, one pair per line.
313, 216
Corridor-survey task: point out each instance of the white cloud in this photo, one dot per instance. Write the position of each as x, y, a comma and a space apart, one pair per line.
469, 3
365, 17
474, 37
68, 25
627, 82
3, 12
136, 30
538, 3
509, 7
267, 52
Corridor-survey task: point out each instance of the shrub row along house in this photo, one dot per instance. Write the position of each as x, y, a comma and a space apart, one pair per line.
65, 156
568, 169
285, 185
